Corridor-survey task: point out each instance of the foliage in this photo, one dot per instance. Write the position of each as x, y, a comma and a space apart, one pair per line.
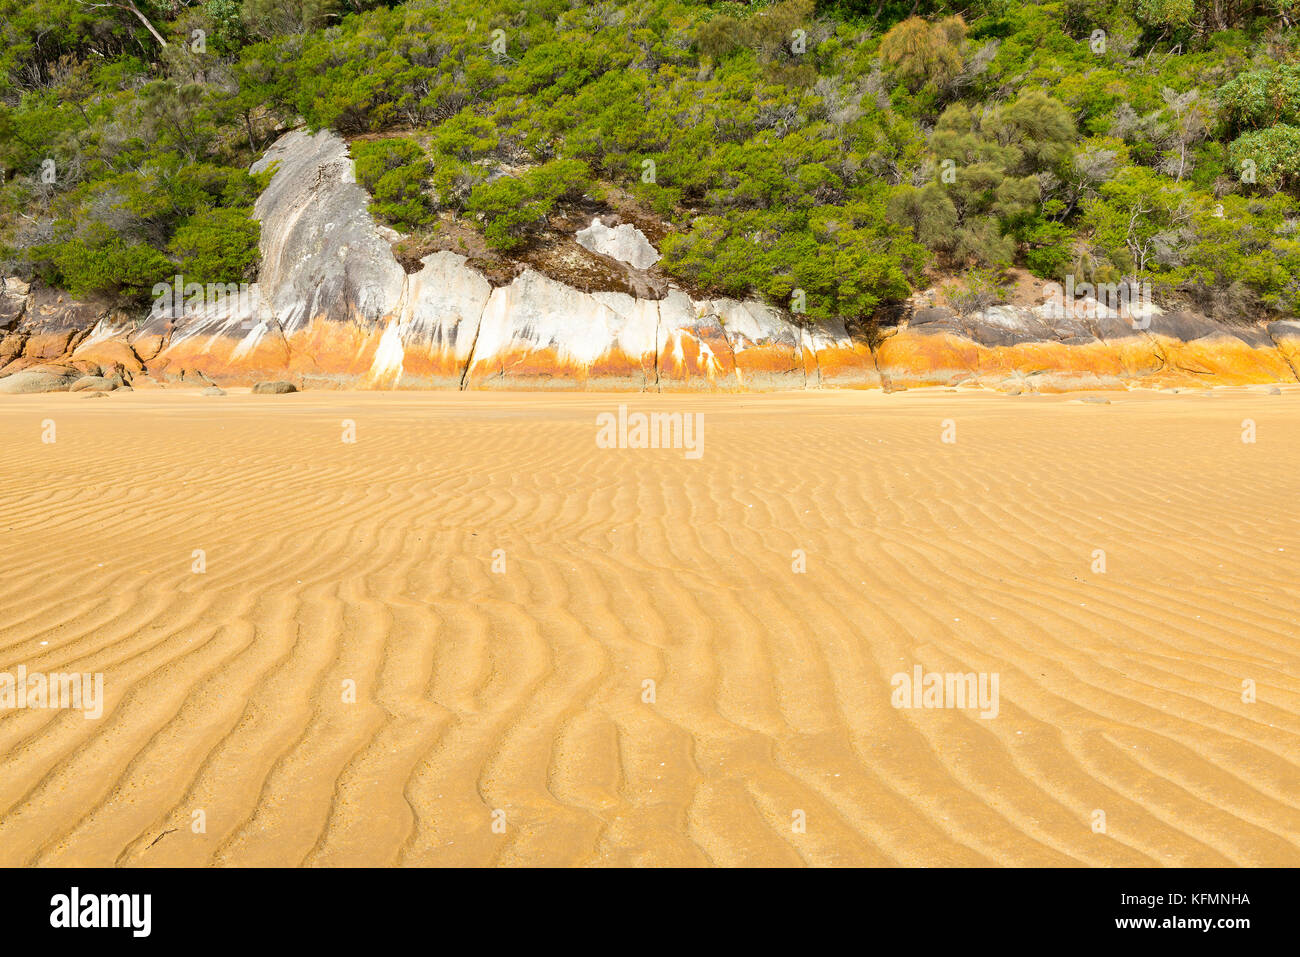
394, 171
216, 245
515, 208
1275, 153
852, 149
1260, 98
917, 52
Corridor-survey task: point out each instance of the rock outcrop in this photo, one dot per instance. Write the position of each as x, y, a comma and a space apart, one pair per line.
333, 307
623, 242
1092, 348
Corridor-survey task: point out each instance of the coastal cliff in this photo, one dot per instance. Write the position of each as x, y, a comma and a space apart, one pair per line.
334, 308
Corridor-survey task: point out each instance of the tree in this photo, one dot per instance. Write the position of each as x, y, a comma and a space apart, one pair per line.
1259, 98
918, 53
927, 212
216, 245
1165, 14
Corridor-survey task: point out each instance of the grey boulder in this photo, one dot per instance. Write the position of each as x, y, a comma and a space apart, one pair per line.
27, 382
274, 388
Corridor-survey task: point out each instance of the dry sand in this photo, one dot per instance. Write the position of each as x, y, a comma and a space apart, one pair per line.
522, 691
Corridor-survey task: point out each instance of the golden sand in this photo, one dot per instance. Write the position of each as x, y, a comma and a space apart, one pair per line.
771, 738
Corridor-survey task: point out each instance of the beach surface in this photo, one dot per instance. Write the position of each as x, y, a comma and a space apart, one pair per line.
474, 636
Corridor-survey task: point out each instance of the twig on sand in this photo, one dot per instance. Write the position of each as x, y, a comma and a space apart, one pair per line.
161, 836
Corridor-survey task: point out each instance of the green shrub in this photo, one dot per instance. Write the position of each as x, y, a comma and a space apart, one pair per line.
395, 172
1275, 153
1260, 98
111, 266
216, 245
515, 208
1049, 252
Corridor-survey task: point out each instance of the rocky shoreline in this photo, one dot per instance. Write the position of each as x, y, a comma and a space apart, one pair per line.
333, 308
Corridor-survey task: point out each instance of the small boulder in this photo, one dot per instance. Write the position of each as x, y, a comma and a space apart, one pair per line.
28, 381
274, 388
98, 383
90, 383
213, 390
1095, 400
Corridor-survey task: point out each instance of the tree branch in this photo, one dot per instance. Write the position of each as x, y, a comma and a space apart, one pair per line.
130, 7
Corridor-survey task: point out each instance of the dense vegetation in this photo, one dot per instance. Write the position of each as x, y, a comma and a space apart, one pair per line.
854, 150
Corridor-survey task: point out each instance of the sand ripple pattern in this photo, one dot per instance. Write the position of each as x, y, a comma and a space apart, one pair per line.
522, 692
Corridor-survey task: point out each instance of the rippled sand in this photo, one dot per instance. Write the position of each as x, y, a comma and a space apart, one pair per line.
523, 691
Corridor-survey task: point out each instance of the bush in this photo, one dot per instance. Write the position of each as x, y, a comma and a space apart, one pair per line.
1164, 14
1260, 98
1275, 153
111, 266
1049, 252
918, 53
514, 209
217, 245
394, 171
983, 288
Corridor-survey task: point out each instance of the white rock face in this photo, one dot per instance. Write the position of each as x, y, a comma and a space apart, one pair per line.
333, 306
387, 366
444, 302
753, 323
322, 254
535, 312
638, 334
624, 242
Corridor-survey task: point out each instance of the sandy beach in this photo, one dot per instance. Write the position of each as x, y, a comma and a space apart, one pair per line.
564, 654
